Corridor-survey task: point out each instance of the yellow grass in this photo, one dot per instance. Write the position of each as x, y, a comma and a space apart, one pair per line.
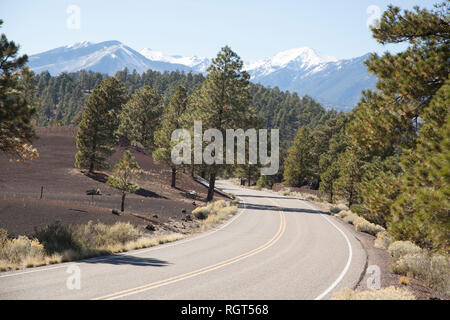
390, 293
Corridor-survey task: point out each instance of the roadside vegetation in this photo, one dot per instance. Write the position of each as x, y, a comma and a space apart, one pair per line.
408, 259
389, 293
215, 212
58, 243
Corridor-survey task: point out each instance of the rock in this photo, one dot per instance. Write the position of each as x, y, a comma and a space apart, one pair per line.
94, 192
155, 216
116, 212
188, 217
183, 211
150, 227
194, 204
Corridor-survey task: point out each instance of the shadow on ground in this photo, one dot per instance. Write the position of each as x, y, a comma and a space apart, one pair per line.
102, 177
129, 260
250, 206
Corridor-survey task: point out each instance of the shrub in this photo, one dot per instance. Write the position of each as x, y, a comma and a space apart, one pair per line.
3, 237
343, 214
335, 210
74, 242
211, 208
434, 269
99, 236
349, 218
401, 248
383, 240
390, 293
201, 212
213, 213
357, 208
18, 250
368, 227
56, 238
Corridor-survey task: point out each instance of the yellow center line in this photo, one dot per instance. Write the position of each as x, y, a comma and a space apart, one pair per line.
157, 284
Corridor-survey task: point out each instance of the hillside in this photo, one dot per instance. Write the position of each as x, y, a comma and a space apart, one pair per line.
64, 189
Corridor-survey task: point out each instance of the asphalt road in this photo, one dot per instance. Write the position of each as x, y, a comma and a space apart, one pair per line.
275, 248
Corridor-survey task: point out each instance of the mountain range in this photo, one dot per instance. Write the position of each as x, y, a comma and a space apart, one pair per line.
335, 83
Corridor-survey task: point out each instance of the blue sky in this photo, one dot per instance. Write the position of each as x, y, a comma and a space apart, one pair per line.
253, 28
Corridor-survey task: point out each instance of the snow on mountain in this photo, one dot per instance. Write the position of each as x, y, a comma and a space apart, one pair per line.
335, 83
298, 59
197, 64
106, 57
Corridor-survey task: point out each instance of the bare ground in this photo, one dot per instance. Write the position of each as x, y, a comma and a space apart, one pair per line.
64, 189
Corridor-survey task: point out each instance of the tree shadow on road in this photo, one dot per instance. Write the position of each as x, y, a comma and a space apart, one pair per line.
251, 206
268, 197
128, 260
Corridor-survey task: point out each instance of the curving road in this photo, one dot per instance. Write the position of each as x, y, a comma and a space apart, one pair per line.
275, 248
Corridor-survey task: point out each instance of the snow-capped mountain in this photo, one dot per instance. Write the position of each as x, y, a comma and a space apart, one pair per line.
335, 83
106, 57
197, 64
298, 59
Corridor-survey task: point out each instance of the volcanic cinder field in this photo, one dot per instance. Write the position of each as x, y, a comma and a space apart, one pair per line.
64, 189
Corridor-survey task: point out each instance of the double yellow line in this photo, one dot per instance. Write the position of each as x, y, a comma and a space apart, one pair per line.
195, 273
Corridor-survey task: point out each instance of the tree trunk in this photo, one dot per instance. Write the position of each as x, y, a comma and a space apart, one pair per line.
192, 171
174, 177
122, 206
248, 180
212, 182
202, 174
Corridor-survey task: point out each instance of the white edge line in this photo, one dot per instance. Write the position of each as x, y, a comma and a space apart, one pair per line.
137, 252
349, 260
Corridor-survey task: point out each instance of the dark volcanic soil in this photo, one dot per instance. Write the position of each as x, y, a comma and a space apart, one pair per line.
64, 186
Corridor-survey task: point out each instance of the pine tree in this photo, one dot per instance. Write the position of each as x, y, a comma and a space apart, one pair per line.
125, 171
172, 120
299, 162
421, 212
16, 110
96, 132
351, 169
386, 122
224, 100
140, 116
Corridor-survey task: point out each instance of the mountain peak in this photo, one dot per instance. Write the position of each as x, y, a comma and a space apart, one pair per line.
296, 58
198, 64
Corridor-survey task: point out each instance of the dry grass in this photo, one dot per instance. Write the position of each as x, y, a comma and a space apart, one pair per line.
215, 210
365, 226
434, 269
390, 293
401, 248
79, 242
214, 213
383, 240
404, 280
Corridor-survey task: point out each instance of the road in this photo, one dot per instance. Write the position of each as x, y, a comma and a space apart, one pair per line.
275, 248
